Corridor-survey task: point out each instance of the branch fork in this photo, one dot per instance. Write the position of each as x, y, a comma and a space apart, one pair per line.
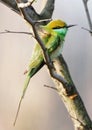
24, 5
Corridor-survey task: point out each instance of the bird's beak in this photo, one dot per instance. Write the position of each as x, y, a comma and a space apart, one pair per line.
69, 26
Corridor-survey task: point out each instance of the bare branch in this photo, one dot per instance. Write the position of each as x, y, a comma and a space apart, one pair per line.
72, 101
8, 31
87, 13
87, 30
48, 9
50, 87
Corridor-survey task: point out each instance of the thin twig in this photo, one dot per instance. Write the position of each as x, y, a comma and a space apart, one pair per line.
87, 30
50, 87
8, 31
87, 13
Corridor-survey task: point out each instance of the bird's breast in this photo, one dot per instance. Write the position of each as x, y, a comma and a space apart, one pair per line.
57, 51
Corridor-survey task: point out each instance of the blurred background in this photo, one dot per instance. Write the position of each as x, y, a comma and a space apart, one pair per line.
42, 108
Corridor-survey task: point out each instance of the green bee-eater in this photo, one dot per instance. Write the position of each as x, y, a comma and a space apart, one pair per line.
52, 36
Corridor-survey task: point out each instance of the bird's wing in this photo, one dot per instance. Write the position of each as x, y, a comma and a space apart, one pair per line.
36, 62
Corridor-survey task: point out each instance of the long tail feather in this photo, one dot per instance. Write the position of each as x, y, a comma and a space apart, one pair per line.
29, 75
24, 90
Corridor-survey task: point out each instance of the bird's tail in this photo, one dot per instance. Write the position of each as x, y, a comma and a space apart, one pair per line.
29, 75
23, 93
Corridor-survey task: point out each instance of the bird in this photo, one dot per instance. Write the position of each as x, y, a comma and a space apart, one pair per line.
53, 36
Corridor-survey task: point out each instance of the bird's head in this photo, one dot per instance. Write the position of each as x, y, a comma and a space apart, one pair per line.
56, 24
59, 26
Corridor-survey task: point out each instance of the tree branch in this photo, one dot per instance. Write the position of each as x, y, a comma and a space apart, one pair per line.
85, 2
8, 31
48, 9
71, 98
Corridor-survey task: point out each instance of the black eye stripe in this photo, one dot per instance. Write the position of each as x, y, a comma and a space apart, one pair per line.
58, 27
